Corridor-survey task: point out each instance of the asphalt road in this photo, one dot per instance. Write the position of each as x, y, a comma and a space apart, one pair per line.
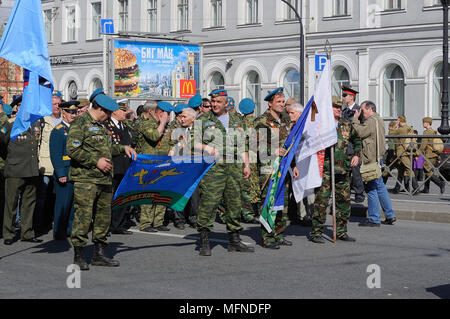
413, 258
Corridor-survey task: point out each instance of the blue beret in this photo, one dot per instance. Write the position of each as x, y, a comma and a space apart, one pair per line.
7, 108
57, 93
246, 106
106, 102
217, 93
231, 102
1, 102
274, 92
179, 108
195, 101
165, 106
95, 93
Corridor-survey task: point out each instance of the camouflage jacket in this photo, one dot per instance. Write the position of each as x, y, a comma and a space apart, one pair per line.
213, 133
149, 141
87, 142
270, 132
345, 134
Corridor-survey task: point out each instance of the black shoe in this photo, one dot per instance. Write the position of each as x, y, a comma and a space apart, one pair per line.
273, 245
162, 228
284, 242
59, 237
317, 240
99, 258
122, 232
8, 241
79, 258
149, 230
346, 237
369, 224
389, 221
235, 244
33, 240
359, 198
179, 226
306, 222
204, 247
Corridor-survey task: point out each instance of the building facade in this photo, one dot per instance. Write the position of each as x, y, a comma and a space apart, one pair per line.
388, 50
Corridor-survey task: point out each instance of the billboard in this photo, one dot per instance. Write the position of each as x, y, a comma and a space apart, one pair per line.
156, 70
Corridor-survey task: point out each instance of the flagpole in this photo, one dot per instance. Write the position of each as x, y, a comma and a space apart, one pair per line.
333, 194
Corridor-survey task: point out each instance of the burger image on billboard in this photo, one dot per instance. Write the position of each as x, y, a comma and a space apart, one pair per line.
126, 73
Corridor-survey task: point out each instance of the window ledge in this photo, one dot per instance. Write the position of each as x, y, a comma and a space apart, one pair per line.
93, 40
249, 25
432, 8
181, 31
220, 28
280, 22
345, 17
69, 42
390, 11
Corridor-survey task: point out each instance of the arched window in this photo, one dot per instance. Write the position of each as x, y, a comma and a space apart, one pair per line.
217, 81
437, 89
340, 78
95, 84
291, 83
393, 91
253, 90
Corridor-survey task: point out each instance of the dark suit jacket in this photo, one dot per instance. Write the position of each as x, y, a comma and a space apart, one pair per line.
58, 152
122, 137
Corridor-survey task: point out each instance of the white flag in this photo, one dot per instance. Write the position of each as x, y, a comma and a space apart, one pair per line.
317, 136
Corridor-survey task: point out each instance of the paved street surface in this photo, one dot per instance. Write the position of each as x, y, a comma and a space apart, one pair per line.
414, 259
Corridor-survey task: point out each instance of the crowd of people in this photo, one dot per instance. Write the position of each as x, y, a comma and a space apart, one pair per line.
62, 172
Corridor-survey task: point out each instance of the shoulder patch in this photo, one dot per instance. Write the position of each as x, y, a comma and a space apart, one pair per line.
59, 126
3, 130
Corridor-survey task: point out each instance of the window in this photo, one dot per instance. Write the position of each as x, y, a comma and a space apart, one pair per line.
96, 19
183, 14
152, 15
393, 92
393, 5
291, 83
340, 78
123, 15
252, 11
48, 21
253, 90
71, 24
340, 8
217, 82
216, 13
437, 90
289, 14
95, 84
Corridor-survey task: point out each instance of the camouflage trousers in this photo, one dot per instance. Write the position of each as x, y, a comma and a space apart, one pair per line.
92, 205
250, 193
151, 216
282, 216
222, 183
343, 207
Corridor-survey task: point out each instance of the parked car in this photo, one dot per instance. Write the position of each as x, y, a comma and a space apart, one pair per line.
445, 155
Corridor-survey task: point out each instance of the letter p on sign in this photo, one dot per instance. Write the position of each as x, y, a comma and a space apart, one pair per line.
321, 60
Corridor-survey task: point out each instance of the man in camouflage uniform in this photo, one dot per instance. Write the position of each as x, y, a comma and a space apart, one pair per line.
343, 164
431, 157
251, 194
90, 148
153, 138
403, 150
219, 131
273, 130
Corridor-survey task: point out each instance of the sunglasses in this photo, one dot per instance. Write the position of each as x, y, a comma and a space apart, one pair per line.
207, 106
71, 111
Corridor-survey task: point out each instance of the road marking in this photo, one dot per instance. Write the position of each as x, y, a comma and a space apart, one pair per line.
183, 236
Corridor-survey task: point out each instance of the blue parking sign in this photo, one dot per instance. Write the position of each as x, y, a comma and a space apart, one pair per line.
107, 26
321, 60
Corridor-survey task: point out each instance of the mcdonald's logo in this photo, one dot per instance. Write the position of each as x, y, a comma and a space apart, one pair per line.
187, 88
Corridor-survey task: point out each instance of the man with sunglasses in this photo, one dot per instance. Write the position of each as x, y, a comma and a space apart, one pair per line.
63, 209
349, 98
206, 106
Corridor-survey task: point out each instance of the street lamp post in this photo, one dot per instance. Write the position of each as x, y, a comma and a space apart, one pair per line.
302, 53
444, 129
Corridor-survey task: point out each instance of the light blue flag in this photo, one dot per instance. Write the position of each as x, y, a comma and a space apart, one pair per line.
24, 43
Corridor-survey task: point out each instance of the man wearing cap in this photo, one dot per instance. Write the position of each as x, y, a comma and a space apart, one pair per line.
153, 138
403, 151
205, 107
21, 177
43, 214
431, 157
83, 106
218, 135
342, 168
90, 148
251, 194
195, 102
272, 129
349, 98
121, 134
63, 210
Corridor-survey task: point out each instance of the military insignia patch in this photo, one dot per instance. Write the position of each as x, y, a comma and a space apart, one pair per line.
3, 130
76, 143
93, 128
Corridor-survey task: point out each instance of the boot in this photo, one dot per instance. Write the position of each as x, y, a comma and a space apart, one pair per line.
426, 188
79, 258
415, 186
255, 207
205, 249
439, 183
99, 258
235, 244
